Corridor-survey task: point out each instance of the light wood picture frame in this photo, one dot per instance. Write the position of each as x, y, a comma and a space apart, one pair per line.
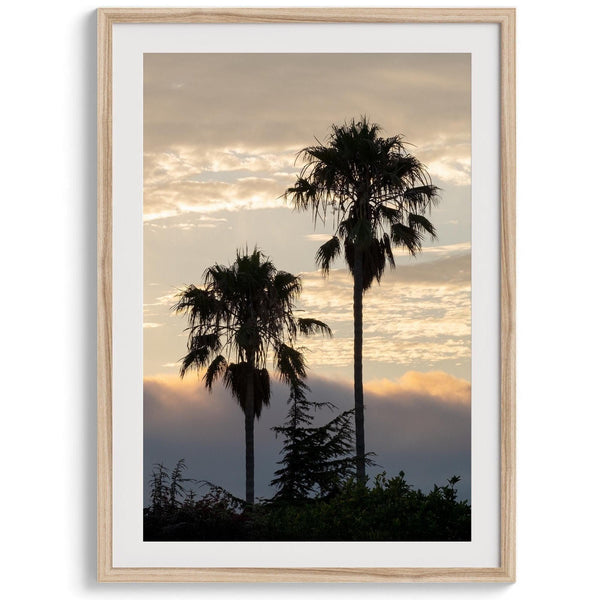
504, 18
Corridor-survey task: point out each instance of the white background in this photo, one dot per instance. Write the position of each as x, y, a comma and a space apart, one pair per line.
48, 309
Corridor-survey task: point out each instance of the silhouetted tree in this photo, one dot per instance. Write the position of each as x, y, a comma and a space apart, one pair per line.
378, 195
176, 488
316, 460
166, 488
243, 312
159, 487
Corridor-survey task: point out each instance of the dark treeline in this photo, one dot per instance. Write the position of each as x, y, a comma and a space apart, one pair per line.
390, 510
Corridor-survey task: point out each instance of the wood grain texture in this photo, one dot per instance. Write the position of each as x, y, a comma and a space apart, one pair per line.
507, 298
104, 250
330, 575
505, 17
305, 15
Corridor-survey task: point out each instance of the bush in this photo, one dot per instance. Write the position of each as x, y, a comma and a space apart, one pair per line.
390, 510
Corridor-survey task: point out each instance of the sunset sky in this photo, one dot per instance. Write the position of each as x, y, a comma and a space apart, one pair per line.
221, 134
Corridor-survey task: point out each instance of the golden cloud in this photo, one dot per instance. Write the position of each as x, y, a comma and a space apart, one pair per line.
436, 384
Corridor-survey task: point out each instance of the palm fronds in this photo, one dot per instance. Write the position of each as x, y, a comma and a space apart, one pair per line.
310, 326
372, 183
241, 313
327, 253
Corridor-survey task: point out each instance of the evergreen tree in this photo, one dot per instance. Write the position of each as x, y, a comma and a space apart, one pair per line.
316, 459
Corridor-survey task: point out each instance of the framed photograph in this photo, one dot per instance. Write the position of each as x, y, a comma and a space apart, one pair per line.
306, 295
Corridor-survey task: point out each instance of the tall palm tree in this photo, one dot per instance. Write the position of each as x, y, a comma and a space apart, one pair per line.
242, 313
378, 195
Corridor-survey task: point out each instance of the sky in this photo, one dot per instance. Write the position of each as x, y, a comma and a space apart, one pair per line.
221, 137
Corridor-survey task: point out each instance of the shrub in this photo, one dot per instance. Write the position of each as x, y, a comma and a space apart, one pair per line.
390, 510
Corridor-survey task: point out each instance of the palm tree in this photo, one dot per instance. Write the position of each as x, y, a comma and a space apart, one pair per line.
242, 313
378, 195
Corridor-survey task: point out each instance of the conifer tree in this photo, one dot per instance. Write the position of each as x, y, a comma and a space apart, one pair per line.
316, 460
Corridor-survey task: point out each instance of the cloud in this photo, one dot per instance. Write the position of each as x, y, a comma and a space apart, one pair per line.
419, 317
318, 237
221, 131
226, 95
420, 313
188, 180
419, 424
436, 384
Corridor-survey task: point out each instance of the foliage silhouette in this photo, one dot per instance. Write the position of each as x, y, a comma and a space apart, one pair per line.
378, 195
243, 312
316, 459
389, 511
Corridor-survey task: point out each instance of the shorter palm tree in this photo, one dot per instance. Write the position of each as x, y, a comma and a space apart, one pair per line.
243, 313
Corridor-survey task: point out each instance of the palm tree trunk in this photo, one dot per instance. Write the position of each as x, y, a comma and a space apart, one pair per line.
359, 407
249, 424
